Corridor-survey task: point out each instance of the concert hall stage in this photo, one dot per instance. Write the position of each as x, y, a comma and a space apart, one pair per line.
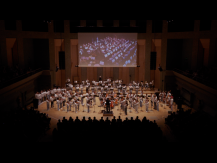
152, 115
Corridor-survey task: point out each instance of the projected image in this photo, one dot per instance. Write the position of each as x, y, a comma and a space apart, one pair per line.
107, 49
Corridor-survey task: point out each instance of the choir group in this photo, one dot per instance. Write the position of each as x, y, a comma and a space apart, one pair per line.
106, 91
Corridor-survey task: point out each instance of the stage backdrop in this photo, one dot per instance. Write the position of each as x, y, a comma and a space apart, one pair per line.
107, 49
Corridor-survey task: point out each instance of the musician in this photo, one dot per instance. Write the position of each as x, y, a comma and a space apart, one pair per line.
61, 102
171, 103
56, 96
54, 90
146, 85
64, 100
160, 96
152, 99
141, 83
38, 96
58, 90
122, 103
155, 101
42, 96
81, 89
108, 105
125, 107
47, 104
131, 101
70, 86
93, 97
76, 105
150, 85
130, 87
124, 89
147, 103
106, 88
51, 99
141, 101
67, 103
137, 88
58, 105
153, 84
88, 106
136, 105
157, 105
69, 97
114, 84
82, 99
70, 104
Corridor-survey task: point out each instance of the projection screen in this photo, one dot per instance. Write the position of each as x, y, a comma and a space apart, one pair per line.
107, 49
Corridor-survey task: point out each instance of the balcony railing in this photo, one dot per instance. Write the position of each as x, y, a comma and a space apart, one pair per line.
18, 78
198, 79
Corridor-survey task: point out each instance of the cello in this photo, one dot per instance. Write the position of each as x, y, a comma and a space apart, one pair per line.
116, 101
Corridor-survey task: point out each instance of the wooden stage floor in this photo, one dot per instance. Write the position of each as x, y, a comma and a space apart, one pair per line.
158, 116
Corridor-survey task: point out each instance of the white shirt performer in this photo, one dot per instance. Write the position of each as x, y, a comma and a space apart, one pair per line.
147, 104
58, 105
157, 105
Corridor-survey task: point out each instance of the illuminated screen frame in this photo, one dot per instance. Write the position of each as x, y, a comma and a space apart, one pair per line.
107, 49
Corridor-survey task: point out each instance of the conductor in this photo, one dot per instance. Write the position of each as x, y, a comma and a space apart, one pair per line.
100, 78
108, 105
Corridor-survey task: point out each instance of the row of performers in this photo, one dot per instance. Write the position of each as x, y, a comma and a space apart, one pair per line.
134, 101
43, 94
62, 93
108, 83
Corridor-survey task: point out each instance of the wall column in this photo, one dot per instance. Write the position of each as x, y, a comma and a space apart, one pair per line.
212, 47
163, 55
52, 62
148, 50
194, 54
3, 52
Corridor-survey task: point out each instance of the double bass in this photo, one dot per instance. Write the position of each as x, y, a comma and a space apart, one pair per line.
112, 104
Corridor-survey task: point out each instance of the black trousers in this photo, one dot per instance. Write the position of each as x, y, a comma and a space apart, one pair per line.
51, 103
64, 103
126, 110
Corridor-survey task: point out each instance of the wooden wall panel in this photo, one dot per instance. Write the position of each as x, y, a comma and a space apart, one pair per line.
74, 59
99, 72
107, 72
90, 73
95, 78
115, 73
132, 73
83, 73
124, 74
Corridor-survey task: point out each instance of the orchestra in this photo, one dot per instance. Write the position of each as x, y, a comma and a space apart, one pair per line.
104, 91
